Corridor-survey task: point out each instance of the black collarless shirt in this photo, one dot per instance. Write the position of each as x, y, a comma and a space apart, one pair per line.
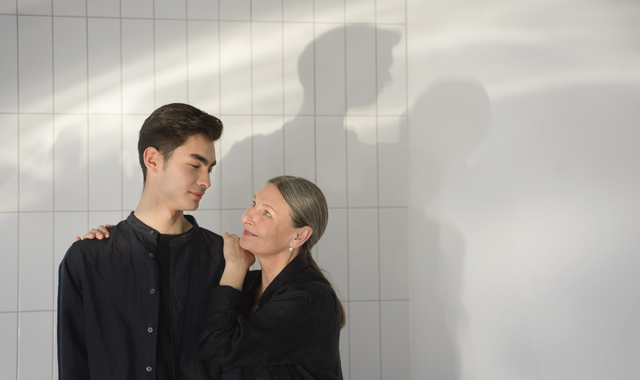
109, 303
294, 333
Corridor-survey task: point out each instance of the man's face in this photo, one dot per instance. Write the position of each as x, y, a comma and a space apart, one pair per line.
185, 176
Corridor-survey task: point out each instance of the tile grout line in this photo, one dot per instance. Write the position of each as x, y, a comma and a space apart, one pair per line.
19, 198
53, 216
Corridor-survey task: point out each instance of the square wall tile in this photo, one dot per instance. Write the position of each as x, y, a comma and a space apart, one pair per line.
361, 69
103, 8
236, 163
137, 9
202, 9
299, 147
105, 162
172, 9
68, 225
171, 62
394, 254
268, 149
138, 67
8, 7
9, 64
36, 162
235, 10
9, 163
70, 64
298, 69
104, 66
208, 219
9, 227
9, 345
393, 161
364, 340
360, 11
330, 77
266, 10
235, 68
132, 183
36, 345
362, 161
36, 261
297, 10
333, 254
231, 222
268, 92
97, 218
392, 70
204, 65
69, 8
35, 64
331, 160
363, 255
71, 158
395, 340
329, 11
391, 12
34, 7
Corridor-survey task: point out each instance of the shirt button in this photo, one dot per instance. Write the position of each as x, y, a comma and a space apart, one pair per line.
149, 369
150, 329
151, 255
150, 233
152, 291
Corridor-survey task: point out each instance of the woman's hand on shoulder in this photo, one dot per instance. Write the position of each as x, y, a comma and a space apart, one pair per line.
100, 232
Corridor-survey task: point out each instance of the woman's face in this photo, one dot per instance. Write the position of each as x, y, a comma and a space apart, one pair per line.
267, 223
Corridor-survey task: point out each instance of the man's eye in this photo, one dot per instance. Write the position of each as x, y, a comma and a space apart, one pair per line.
196, 166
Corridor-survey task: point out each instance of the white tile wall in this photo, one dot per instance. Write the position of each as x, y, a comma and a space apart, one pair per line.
138, 69
364, 340
36, 346
9, 345
70, 64
9, 226
9, 163
303, 87
9, 63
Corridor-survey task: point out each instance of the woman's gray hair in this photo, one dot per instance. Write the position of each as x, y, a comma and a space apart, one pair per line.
307, 204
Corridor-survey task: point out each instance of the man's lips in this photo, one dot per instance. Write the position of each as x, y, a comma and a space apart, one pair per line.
197, 194
247, 233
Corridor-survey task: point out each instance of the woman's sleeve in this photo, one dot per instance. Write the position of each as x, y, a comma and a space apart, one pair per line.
277, 333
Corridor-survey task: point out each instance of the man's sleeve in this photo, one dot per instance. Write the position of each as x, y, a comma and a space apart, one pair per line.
72, 344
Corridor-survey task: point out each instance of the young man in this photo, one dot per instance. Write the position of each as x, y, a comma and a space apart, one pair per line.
132, 306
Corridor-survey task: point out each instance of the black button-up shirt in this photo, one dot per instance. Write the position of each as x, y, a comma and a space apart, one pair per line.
108, 303
294, 333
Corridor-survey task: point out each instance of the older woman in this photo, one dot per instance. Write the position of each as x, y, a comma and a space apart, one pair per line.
283, 321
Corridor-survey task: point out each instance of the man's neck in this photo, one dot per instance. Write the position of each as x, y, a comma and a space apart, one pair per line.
161, 218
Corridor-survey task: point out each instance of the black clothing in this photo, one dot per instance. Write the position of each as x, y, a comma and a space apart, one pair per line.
294, 333
109, 305
164, 357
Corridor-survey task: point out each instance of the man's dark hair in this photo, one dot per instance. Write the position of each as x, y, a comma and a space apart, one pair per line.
168, 127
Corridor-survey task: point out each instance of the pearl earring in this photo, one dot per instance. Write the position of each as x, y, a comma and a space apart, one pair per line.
291, 249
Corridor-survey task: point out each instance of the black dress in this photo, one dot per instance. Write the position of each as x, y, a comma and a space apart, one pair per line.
294, 333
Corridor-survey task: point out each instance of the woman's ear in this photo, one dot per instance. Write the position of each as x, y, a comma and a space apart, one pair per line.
152, 159
301, 237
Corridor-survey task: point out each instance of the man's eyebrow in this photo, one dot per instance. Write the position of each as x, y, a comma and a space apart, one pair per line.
203, 160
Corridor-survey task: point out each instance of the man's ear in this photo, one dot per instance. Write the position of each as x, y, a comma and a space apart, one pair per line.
301, 237
152, 159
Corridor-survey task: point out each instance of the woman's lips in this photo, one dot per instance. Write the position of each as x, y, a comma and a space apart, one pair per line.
247, 233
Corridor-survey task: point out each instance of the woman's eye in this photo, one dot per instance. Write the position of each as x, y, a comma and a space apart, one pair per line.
267, 213
253, 203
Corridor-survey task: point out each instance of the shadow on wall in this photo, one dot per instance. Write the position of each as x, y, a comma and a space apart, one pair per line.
452, 118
